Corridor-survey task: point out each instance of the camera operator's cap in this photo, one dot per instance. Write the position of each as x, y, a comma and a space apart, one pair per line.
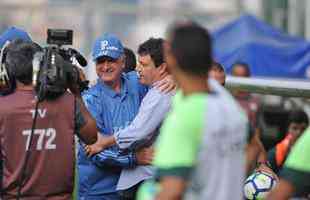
13, 33
107, 45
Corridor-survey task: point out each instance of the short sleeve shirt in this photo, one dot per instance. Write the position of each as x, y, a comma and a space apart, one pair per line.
202, 140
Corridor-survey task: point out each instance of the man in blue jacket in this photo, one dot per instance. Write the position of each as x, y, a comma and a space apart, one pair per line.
113, 101
143, 130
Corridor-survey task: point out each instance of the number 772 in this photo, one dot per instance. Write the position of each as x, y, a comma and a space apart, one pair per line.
49, 133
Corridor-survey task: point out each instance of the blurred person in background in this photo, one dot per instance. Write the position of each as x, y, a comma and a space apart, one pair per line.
130, 60
256, 153
49, 171
197, 142
143, 130
298, 121
255, 149
114, 102
217, 72
249, 103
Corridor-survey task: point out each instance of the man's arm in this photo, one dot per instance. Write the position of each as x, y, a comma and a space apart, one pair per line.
110, 156
113, 157
262, 156
283, 191
171, 188
252, 152
151, 113
262, 161
257, 156
87, 129
85, 124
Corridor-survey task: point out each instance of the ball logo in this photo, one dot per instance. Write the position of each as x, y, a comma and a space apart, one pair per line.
104, 44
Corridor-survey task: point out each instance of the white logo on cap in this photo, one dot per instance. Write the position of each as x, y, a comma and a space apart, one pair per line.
104, 44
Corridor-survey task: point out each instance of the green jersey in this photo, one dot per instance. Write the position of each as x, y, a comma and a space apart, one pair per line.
182, 128
202, 141
187, 115
297, 166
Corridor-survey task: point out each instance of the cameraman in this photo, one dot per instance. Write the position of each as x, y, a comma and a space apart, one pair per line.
8, 35
49, 172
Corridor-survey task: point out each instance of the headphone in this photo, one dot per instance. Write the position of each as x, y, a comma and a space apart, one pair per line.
7, 80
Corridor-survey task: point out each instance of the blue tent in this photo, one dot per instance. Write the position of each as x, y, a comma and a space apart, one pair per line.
268, 51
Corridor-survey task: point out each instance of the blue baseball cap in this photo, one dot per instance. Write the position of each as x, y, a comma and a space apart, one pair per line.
13, 33
107, 45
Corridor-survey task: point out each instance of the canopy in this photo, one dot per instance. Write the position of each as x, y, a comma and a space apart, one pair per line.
268, 51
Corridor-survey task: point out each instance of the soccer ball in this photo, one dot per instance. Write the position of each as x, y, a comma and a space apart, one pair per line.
258, 185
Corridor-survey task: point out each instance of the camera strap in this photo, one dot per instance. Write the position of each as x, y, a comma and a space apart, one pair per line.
28, 153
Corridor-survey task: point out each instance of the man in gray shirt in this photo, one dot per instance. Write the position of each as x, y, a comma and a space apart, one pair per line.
143, 130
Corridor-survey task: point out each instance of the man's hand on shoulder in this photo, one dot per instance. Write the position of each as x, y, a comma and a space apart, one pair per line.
167, 84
